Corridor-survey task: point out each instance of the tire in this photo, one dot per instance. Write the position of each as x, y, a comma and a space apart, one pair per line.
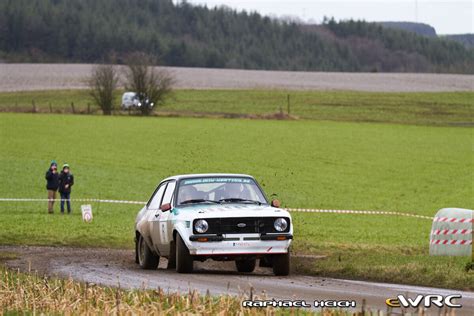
184, 261
246, 265
136, 249
281, 264
172, 257
146, 258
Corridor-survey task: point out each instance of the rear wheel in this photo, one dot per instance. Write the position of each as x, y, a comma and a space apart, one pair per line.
245, 265
281, 264
184, 261
146, 258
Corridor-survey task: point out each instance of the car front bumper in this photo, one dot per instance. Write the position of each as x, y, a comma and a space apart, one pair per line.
230, 244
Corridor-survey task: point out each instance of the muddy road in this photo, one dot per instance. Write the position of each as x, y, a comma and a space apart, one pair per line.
23, 77
117, 268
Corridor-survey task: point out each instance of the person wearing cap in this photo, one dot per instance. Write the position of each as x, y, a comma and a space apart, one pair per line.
66, 181
52, 184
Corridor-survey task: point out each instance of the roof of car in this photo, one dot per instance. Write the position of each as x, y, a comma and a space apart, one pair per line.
197, 175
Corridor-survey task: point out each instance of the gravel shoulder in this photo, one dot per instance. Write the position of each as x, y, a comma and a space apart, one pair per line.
28, 77
115, 267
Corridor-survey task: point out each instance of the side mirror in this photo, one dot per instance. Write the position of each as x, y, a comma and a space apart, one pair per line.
165, 207
275, 203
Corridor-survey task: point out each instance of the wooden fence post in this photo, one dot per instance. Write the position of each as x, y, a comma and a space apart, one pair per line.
72, 107
88, 108
288, 105
34, 106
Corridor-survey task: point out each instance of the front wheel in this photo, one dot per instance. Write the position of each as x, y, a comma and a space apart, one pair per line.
172, 256
245, 265
146, 258
184, 261
281, 264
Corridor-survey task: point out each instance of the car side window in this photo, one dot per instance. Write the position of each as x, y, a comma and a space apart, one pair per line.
169, 193
154, 203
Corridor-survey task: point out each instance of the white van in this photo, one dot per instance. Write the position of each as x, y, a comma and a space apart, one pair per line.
130, 100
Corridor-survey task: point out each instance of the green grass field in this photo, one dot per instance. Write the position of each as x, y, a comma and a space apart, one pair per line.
454, 108
317, 164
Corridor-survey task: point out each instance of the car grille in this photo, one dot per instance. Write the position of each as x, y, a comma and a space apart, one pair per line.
239, 225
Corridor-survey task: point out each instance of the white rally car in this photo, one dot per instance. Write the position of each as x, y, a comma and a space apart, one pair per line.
213, 216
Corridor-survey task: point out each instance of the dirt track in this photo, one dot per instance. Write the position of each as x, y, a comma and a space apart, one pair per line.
113, 267
22, 77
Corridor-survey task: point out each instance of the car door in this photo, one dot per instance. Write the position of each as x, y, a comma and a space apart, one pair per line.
153, 207
164, 218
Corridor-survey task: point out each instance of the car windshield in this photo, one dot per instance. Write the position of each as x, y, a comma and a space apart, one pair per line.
219, 190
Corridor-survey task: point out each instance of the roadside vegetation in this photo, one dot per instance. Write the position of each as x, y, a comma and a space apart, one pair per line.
102, 83
152, 85
308, 164
32, 294
428, 108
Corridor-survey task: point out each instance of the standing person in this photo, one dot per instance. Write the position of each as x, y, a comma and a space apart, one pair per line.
52, 184
66, 181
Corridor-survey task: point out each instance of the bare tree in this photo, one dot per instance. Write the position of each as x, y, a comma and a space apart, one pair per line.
152, 85
103, 83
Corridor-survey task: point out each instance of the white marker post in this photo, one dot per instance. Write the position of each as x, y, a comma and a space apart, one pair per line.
86, 213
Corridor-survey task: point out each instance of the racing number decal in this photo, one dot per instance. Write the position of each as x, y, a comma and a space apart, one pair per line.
164, 232
164, 228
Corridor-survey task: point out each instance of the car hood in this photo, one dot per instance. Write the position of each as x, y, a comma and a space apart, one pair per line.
232, 210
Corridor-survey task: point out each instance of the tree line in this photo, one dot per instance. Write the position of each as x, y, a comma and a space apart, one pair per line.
197, 36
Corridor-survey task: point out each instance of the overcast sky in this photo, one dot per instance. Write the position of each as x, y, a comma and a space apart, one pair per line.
447, 17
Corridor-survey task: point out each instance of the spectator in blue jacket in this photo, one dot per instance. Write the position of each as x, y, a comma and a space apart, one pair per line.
66, 181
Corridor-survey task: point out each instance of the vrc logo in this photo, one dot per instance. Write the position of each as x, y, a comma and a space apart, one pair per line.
425, 301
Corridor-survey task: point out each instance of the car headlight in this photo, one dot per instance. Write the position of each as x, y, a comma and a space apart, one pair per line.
201, 226
280, 224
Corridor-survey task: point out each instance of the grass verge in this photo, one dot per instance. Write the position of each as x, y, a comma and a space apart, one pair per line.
31, 294
429, 108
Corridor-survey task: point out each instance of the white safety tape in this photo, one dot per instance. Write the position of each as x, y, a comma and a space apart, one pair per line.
304, 210
72, 200
358, 212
